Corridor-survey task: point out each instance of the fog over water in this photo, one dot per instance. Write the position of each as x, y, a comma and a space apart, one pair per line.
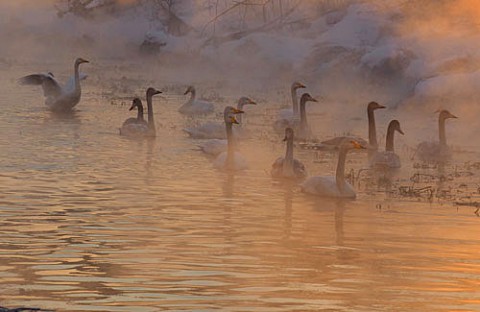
93, 221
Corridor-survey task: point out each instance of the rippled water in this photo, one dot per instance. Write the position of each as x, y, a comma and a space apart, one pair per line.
91, 221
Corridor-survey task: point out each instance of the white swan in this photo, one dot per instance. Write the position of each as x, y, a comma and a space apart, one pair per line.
287, 117
230, 160
304, 133
372, 132
215, 130
194, 107
388, 159
327, 186
288, 167
58, 98
437, 152
135, 126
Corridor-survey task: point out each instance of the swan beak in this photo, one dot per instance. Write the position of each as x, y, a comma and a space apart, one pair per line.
301, 85
131, 108
252, 102
452, 116
157, 92
238, 111
84, 61
357, 145
233, 120
313, 100
400, 131
381, 106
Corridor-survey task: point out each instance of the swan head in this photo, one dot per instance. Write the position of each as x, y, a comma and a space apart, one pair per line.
288, 134
306, 97
395, 125
80, 60
374, 105
245, 101
229, 114
298, 85
445, 114
190, 89
136, 103
152, 91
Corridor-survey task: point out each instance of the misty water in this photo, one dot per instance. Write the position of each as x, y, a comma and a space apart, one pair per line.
92, 221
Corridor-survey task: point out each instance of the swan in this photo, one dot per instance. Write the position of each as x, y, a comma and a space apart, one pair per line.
138, 126
135, 126
58, 98
287, 117
328, 186
214, 130
230, 160
437, 152
388, 159
195, 107
372, 132
288, 167
304, 132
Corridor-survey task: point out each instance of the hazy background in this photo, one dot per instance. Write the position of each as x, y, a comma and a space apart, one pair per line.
412, 55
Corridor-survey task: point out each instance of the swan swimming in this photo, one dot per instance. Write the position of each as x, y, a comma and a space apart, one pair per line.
437, 152
328, 186
59, 98
138, 127
288, 116
288, 167
372, 132
194, 107
230, 160
216, 130
135, 126
388, 159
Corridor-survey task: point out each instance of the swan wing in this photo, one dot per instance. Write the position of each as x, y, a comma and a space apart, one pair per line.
50, 86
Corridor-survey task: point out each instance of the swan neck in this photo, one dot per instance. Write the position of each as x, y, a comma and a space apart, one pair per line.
372, 132
303, 114
390, 138
340, 173
192, 95
441, 131
76, 76
238, 117
140, 113
230, 146
289, 152
151, 122
294, 101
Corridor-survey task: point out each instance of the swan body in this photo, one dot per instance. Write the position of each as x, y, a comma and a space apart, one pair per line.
230, 160
194, 107
372, 132
138, 127
59, 98
437, 152
337, 187
288, 167
213, 130
288, 117
135, 126
388, 159
214, 147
